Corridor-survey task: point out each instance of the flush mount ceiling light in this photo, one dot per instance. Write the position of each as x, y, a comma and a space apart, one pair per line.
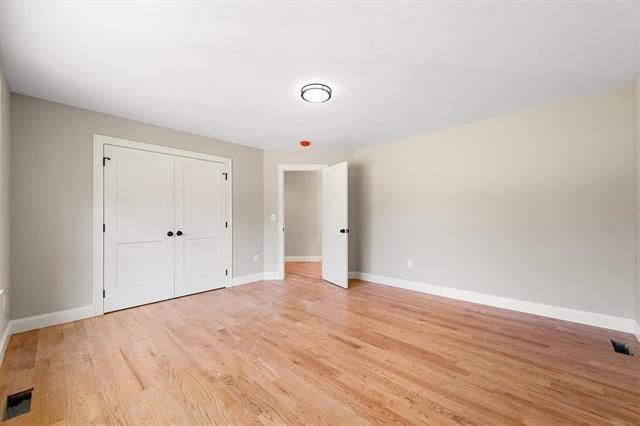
316, 93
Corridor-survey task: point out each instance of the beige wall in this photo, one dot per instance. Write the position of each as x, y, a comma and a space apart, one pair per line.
270, 181
302, 202
51, 199
5, 153
537, 206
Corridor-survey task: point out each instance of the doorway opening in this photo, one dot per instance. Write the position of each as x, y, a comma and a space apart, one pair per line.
303, 224
333, 212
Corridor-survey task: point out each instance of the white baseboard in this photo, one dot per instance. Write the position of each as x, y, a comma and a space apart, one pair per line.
567, 314
45, 320
636, 330
53, 318
303, 258
260, 276
246, 279
272, 276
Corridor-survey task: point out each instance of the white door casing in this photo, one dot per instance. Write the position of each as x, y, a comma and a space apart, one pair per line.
201, 225
282, 168
100, 142
335, 225
138, 214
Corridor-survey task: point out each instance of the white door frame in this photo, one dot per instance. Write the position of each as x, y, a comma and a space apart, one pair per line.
99, 141
281, 169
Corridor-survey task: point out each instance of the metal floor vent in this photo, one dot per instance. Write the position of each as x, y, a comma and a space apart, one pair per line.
18, 403
621, 347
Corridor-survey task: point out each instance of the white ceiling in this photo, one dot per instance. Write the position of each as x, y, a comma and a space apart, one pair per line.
234, 71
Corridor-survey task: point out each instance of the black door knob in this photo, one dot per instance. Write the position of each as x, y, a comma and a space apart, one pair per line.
342, 231
170, 234
179, 233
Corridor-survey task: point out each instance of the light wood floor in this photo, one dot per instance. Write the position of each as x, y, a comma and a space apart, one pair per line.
304, 352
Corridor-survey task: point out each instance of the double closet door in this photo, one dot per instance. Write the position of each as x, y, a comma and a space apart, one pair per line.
166, 230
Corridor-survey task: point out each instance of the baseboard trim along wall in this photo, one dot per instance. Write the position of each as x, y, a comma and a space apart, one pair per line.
272, 276
636, 330
44, 320
53, 318
567, 314
303, 258
75, 314
246, 279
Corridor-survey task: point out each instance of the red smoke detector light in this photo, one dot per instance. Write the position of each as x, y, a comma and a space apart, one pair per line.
305, 144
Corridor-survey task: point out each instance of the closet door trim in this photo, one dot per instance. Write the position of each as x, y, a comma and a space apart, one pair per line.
99, 142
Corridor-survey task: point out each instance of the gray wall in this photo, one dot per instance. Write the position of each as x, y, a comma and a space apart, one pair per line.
537, 206
303, 214
271, 160
5, 109
51, 199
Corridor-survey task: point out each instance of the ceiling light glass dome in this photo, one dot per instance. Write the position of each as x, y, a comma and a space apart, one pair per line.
316, 93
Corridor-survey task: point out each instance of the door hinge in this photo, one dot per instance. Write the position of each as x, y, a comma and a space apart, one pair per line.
226, 175
226, 272
104, 160
104, 294
104, 228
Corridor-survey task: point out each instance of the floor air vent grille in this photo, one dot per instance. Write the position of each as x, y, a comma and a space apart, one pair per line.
18, 403
621, 347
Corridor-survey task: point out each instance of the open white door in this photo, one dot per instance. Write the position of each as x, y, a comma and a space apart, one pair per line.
335, 225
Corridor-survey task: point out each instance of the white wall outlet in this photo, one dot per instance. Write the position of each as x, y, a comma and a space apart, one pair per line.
256, 258
273, 217
409, 263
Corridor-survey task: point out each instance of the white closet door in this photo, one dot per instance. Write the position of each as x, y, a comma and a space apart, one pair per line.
139, 214
201, 226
